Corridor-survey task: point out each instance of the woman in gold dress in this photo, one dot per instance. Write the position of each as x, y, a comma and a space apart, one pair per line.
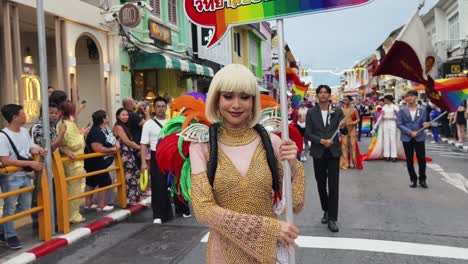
236, 198
349, 153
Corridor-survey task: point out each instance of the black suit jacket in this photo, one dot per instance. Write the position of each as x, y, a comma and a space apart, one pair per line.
315, 131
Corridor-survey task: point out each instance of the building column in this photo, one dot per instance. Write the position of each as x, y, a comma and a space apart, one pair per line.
18, 67
58, 53
8, 92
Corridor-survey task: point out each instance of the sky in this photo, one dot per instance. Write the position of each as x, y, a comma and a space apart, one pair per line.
339, 39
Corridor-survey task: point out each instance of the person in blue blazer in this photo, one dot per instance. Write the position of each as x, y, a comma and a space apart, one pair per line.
410, 119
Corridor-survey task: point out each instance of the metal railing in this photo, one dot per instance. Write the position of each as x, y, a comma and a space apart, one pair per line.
61, 181
43, 202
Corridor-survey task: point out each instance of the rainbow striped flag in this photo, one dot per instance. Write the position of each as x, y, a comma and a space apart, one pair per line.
366, 125
454, 91
299, 94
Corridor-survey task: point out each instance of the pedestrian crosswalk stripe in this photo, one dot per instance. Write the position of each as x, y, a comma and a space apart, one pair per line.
383, 246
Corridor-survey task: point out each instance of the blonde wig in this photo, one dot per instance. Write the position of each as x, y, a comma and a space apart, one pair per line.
233, 78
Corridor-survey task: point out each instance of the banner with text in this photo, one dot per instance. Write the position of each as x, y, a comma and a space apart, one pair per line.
222, 14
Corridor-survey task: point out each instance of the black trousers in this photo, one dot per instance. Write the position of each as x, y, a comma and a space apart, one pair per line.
359, 129
327, 169
160, 199
410, 148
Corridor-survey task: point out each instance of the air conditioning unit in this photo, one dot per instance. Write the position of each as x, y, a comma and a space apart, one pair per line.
189, 52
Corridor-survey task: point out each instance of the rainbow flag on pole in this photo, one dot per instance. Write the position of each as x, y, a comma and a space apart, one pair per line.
453, 91
366, 125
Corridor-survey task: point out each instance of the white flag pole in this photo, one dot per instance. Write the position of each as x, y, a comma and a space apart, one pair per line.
285, 129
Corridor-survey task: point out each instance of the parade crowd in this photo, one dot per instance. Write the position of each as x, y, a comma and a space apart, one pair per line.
239, 216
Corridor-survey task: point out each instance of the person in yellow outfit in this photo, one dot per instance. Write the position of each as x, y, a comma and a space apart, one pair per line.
73, 144
349, 155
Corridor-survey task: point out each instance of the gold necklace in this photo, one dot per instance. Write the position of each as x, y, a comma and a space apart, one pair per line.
237, 137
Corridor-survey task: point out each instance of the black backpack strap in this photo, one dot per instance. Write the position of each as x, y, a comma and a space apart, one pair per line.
213, 158
157, 122
270, 154
266, 142
12, 144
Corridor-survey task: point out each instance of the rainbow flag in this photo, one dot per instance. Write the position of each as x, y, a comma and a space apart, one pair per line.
299, 94
366, 125
222, 14
453, 91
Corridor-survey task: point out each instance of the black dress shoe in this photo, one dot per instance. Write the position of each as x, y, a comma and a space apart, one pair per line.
423, 184
333, 227
394, 160
325, 218
413, 185
387, 159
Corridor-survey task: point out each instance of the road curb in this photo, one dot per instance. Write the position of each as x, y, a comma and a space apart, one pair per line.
77, 234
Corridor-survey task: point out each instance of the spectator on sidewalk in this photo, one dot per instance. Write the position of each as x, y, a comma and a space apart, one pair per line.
160, 202
460, 120
16, 149
73, 144
135, 124
435, 112
130, 150
100, 139
37, 134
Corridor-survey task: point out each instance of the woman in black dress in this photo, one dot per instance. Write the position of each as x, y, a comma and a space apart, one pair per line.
461, 122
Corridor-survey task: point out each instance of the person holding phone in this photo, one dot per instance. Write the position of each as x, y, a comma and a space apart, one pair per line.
73, 144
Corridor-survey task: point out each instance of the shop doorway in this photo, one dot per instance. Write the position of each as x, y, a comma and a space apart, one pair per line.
89, 78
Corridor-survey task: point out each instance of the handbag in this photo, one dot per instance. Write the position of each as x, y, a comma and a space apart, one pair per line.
18, 156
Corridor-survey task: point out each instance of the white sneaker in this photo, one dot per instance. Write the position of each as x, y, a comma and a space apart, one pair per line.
93, 206
157, 221
186, 215
106, 208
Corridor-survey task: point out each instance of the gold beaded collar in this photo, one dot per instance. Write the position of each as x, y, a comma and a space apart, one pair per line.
237, 137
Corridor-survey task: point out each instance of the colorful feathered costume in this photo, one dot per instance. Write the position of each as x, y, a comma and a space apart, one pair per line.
172, 153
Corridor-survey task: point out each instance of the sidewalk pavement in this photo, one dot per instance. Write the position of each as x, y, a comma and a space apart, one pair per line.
33, 251
463, 146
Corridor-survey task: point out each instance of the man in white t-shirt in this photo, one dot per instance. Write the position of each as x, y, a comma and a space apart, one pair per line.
15, 146
160, 203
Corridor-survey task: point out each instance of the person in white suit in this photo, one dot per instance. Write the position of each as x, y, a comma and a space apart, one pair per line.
389, 128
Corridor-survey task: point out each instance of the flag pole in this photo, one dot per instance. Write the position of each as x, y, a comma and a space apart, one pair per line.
285, 129
435, 119
45, 104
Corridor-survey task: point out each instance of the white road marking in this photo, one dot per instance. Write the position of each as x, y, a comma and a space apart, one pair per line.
435, 167
455, 179
384, 246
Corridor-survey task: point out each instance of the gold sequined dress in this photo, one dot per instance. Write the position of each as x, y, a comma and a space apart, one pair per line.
239, 208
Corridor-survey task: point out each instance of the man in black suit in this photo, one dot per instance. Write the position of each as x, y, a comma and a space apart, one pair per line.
321, 123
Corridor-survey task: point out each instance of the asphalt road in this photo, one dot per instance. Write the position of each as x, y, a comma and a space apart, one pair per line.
381, 220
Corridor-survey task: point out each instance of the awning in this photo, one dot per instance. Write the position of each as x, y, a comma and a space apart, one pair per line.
161, 61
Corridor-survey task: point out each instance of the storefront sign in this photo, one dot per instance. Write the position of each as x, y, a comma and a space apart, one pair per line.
221, 15
454, 69
129, 16
160, 32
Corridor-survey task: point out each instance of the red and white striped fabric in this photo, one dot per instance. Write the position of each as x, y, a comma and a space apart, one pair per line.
77, 234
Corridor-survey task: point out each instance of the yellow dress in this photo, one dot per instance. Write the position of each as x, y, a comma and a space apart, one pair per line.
239, 208
73, 142
349, 141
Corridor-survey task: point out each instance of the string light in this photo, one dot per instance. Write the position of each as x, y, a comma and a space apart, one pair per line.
334, 72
